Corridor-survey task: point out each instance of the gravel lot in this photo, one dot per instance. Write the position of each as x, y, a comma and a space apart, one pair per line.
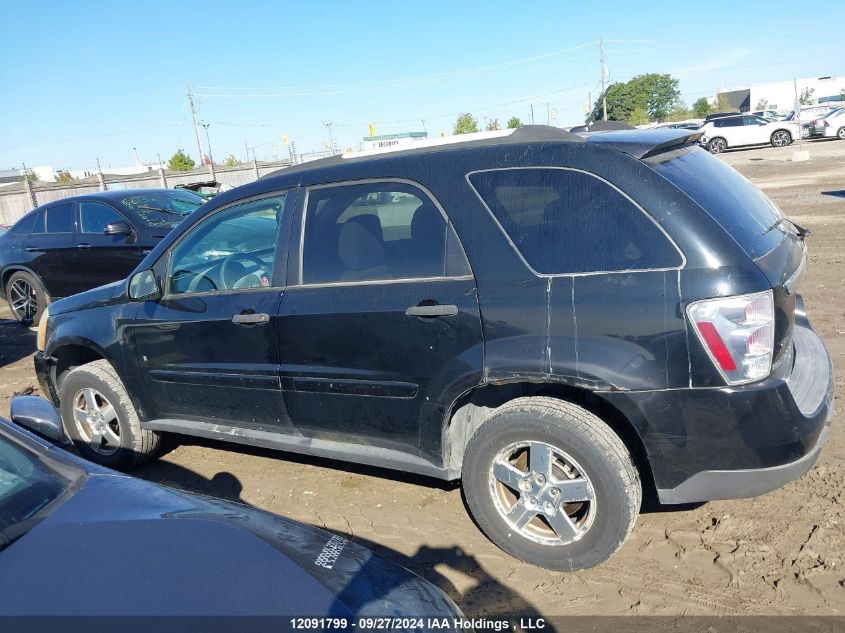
781, 553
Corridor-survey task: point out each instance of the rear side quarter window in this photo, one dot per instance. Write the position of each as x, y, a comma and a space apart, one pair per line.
569, 221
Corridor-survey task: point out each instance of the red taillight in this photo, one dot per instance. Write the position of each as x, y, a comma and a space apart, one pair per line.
717, 345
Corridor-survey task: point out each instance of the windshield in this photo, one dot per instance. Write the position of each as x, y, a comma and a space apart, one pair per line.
27, 486
737, 205
162, 208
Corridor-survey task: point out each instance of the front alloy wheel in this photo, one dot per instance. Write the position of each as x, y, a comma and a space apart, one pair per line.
781, 138
96, 421
717, 146
542, 493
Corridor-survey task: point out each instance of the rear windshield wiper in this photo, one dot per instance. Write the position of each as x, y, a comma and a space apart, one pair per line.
802, 232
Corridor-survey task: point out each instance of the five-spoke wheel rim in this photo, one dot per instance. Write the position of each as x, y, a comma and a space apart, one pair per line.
542, 493
717, 146
96, 421
24, 301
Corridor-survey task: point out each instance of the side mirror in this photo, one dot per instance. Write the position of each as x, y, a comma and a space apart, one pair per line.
39, 416
118, 228
143, 286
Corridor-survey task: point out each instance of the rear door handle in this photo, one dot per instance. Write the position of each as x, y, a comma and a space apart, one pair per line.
251, 318
83, 245
30, 249
436, 310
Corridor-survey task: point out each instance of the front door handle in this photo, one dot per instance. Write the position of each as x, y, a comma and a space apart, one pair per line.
436, 310
251, 318
83, 245
30, 249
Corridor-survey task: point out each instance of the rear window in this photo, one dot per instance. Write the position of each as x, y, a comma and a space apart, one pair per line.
730, 199
567, 221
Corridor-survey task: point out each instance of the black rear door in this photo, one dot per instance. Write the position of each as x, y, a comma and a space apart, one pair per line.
52, 249
383, 317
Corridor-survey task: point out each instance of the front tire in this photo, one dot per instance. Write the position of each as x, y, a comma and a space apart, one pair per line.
551, 484
717, 146
840, 133
27, 297
99, 418
781, 138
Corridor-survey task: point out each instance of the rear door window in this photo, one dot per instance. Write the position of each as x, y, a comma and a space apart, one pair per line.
730, 199
29, 224
567, 221
60, 219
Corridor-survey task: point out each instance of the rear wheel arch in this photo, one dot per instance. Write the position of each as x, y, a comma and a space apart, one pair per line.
473, 408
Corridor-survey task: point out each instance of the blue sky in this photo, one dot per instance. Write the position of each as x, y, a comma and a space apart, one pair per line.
88, 80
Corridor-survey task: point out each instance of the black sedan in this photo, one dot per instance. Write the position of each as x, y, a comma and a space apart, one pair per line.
81, 540
75, 244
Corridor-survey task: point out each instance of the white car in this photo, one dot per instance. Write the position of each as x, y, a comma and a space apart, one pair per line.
746, 129
833, 124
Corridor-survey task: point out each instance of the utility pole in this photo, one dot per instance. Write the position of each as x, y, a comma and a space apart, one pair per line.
137, 160
208, 142
548, 113
532, 114
194, 117
159, 159
331, 138
603, 77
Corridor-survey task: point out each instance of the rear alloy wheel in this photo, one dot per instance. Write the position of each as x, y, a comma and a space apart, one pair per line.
841, 133
717, 146
781, 138
551, 484
26, 296
99, 418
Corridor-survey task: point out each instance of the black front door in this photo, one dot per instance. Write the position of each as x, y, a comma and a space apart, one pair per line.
384, 317
102, 259
208, 350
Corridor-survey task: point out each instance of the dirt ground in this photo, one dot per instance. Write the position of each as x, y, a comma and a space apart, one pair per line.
783, 553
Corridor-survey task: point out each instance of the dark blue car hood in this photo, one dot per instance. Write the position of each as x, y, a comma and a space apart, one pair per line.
96, 297
121, 546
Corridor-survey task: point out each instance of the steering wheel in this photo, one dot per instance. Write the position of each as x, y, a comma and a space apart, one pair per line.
227, 266
199, 278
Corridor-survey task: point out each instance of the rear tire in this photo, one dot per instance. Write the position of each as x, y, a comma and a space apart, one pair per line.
781, 138
717, 145
572, 494
840, 133
99, 418
27, 297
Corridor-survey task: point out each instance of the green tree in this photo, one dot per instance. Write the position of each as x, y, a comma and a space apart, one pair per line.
29, 175
493, 124
722, 103
762, 104
231, 161
806, 96
465, 124
701, 108
656, 93
680, 112
638, 116
514, 122
180, 161
63, 176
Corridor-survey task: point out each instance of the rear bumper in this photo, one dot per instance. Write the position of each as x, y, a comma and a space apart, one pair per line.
731, 443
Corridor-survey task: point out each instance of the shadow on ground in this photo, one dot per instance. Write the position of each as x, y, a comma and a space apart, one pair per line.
16, 342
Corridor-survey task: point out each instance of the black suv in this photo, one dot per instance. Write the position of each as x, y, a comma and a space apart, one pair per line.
555, 321
82, 242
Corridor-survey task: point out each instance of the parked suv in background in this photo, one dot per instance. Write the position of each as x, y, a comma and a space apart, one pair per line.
832, 125
557, 321
78, 243
746, 129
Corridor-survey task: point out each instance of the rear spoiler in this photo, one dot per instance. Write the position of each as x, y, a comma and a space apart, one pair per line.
642, 144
